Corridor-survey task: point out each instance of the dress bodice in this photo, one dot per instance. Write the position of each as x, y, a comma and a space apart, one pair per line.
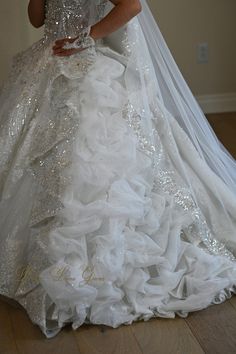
67, 17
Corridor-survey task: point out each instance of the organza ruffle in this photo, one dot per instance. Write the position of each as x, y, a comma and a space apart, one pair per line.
87, 233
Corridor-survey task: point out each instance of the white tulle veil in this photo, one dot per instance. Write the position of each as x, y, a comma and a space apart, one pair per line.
173, 92
152, 70
180, 101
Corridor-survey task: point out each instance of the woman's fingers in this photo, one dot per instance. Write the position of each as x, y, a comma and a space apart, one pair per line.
60, 45
57, 46
67, 52
61, 41
60, 51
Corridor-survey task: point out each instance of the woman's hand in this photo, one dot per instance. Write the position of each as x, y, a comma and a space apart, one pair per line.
122, 12
60, 51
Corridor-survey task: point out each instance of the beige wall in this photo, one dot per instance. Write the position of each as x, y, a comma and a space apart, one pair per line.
16, 33
184, 23
13, 32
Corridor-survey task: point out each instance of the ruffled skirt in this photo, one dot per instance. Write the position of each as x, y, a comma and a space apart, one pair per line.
97, 225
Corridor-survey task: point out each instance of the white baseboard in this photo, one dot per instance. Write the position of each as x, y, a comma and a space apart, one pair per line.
225, 102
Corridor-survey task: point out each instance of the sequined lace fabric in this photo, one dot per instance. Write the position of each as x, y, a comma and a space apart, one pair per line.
98, 221
68, 17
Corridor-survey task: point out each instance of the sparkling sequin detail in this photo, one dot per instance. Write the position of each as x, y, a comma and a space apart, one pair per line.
67, 18
22, 103
167, 180
38, 146
41, 147
199, 228
134, 120
12, 254
50, 153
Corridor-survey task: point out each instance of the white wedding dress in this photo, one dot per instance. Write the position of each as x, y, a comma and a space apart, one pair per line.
98, 222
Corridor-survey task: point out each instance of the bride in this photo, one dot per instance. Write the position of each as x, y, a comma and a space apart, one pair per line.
118, 202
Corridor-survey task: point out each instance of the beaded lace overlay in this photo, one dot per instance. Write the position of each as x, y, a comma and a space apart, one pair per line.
166, 179
68, 17
36, 143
